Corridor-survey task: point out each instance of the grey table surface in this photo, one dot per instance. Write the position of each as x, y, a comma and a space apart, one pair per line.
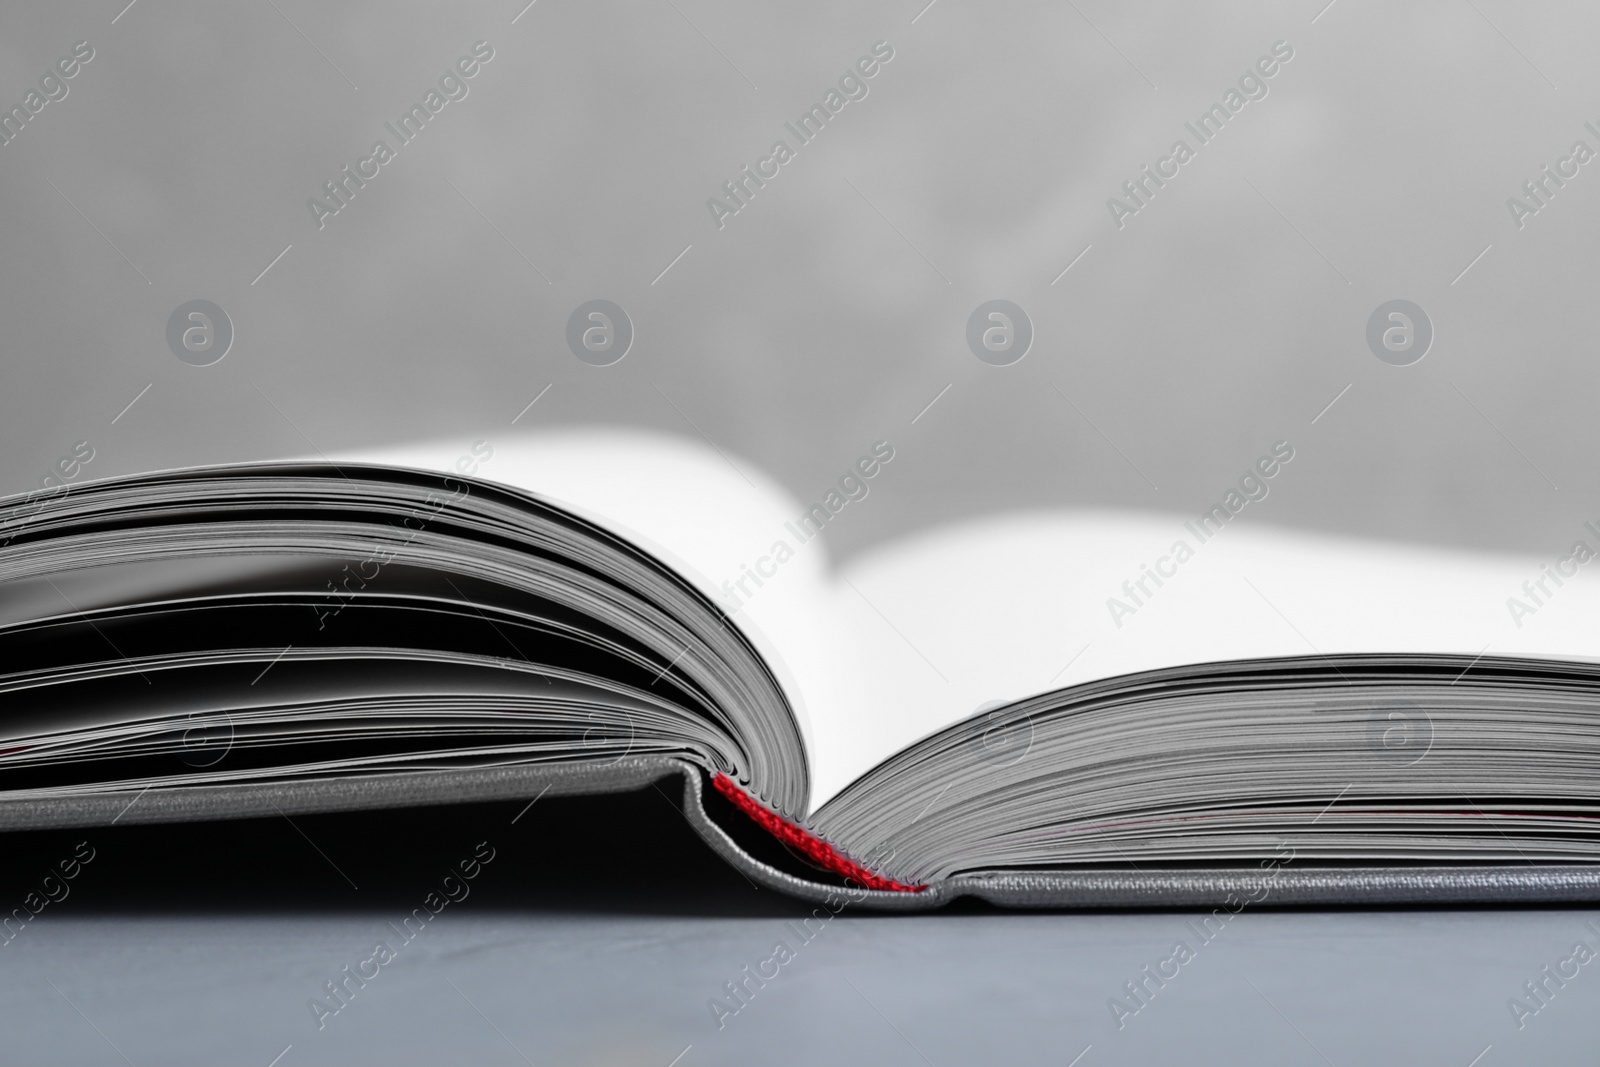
602, 931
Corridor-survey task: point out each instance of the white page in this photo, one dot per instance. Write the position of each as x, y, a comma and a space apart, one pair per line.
691, 508
1014, 606
921, 633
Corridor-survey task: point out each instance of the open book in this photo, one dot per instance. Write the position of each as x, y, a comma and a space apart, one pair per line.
1054, 708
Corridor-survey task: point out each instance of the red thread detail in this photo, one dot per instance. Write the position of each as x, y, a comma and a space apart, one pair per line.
810, 845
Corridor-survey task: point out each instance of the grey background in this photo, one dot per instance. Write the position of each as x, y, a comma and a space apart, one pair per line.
1223, 317
828, 314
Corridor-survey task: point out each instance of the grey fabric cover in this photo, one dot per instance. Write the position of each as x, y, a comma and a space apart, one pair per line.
1226, 888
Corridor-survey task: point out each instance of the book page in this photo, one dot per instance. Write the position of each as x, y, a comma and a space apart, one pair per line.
957, 619
927, 630
696, 511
